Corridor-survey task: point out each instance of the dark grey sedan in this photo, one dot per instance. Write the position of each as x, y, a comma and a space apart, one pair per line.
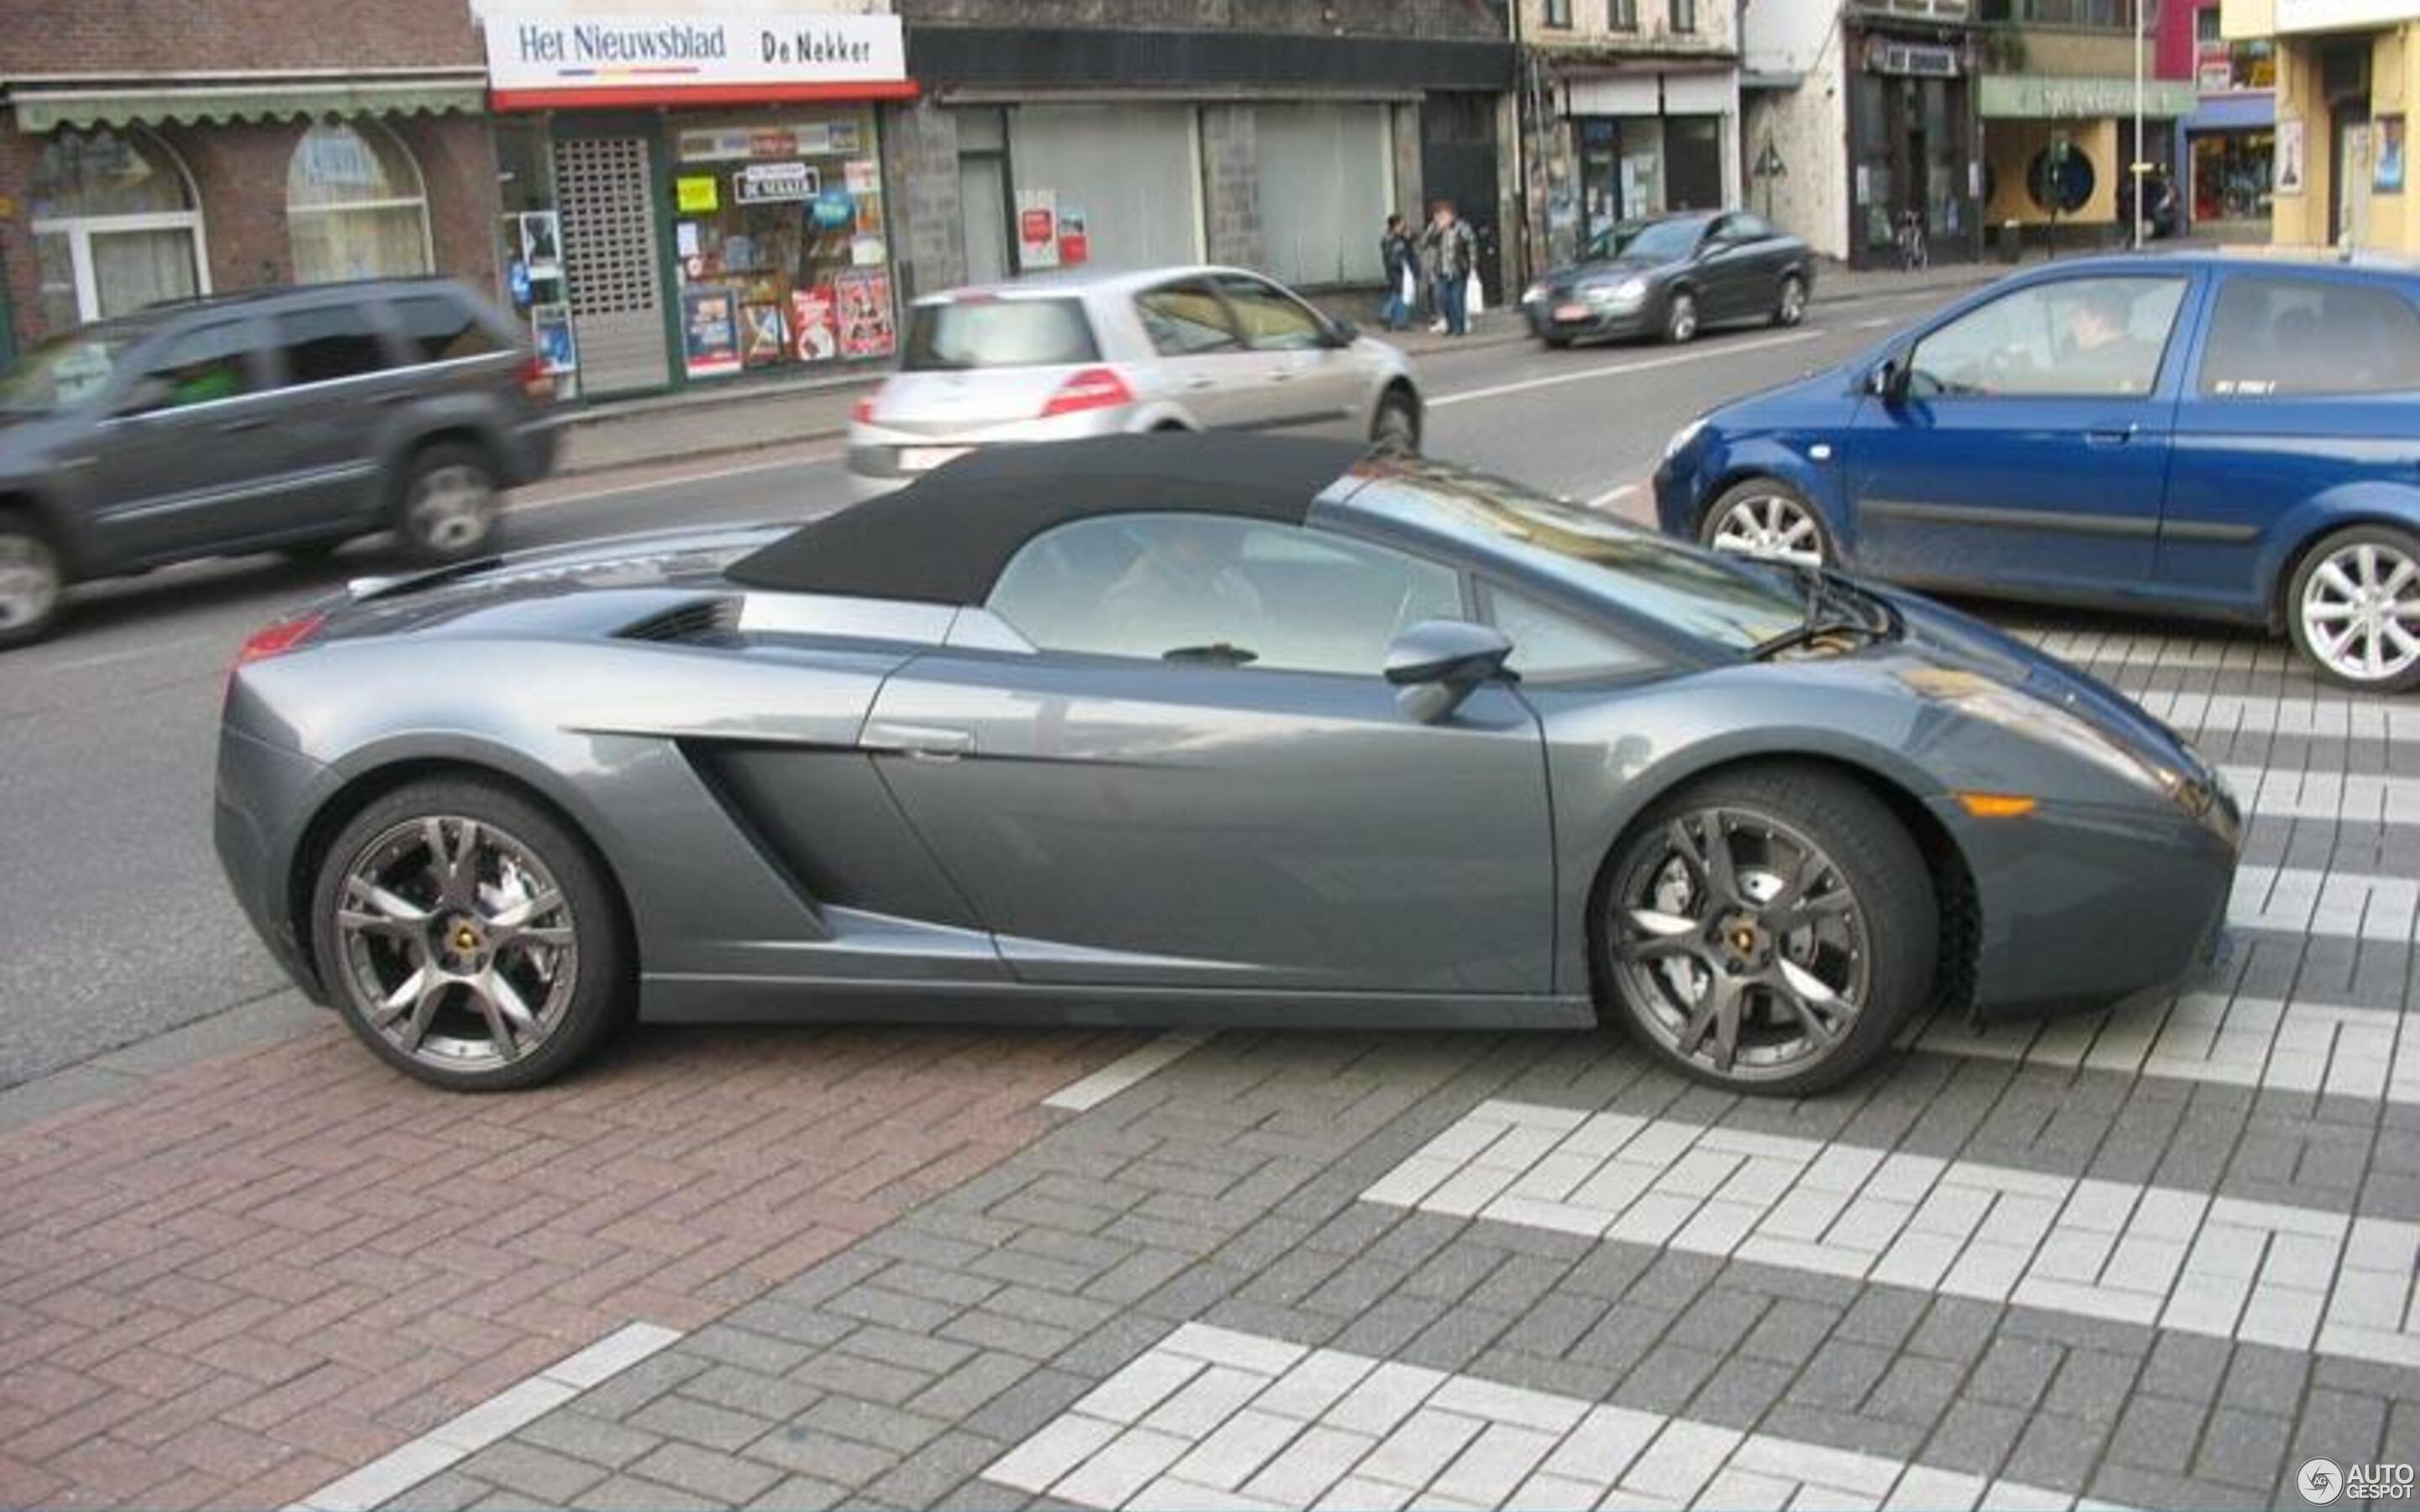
1672, 277
1195, 730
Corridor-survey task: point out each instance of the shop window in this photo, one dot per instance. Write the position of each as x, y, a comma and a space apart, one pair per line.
1622, 15
1685, 16
332, 342
354, 205
2300, 338
116, 228
778, 242
1558, 12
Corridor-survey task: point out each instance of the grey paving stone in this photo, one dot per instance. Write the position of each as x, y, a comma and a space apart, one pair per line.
2157, 1433
1457, 1337
573, 1431
1012, 1336
1517, 1285
1741, 1391
829, 1277
980, 1495
929, 1476
1673, 1280
1841, 1375
2057, 1452
1541, 1373
2344, 1426
1027, 1207
1106, 1350
879, 1424
1386, 1328
698, 1423
1668, 1375
448, 1491
1789, 1331
912, 1240
2016, 1371
629, 1493
642, 1383
873, 1304
1136, 1276
2262, 1379
982, 1378
933, 1283
1883, 1315
1029, 1269
853, 1375
2130, 1486
909, 1351
529, 1470
1554, 1324
2093, 1384
1354, 1287
1162, 1233
1357, 1230
2189, 1366
1285, 1281
1975, 1436
1622, 1337
1844, 1431
1450, 1275
746, 1390
746, 1348
822, 1455
2243, 1448
1194, 1290
1720, 1318
791, 1322
1015, 1416
1294, 1323
804, 1493
1914, 1390
721, 1477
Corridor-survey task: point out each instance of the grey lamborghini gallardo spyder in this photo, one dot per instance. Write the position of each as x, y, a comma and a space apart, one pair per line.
1170, 729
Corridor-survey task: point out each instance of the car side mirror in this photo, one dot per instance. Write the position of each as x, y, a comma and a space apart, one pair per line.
1436, 664
1888, 381
1342, 332
147, 394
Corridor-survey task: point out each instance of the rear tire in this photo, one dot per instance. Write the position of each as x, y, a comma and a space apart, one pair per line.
33, 580
494, 963
2353, 609
1395, 429
1681, 318
450, 508
1766, 930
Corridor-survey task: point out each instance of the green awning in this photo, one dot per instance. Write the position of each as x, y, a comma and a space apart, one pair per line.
2057, 98
40, 109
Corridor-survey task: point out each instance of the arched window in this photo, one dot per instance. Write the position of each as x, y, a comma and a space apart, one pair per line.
115, 227
354, 205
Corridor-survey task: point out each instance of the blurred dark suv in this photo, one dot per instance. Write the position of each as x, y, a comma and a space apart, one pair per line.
288, 419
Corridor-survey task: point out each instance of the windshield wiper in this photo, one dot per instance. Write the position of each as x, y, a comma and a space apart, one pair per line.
1832, 608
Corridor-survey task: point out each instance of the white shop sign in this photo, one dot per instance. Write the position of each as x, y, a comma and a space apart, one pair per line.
557, 52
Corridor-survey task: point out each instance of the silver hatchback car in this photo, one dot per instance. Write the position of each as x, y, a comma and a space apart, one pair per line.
1064, 355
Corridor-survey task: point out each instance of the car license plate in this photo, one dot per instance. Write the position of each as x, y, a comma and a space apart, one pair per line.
1571, 312
925, 458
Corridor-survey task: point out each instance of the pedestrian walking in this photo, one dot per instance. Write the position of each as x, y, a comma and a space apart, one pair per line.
1430, 306
1401, 265
1457, 256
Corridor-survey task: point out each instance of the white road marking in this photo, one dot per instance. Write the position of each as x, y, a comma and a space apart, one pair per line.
392, 1474
1214, 1417
2311, 717
1124, 1072
1497, 391
2299, 1278
1613, 496
2151, 651
2369, 1052
2303, 901
1876, 323
2341, 797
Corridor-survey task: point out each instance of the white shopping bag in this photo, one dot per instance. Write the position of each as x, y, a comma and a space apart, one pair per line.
1411, 290
1474, 299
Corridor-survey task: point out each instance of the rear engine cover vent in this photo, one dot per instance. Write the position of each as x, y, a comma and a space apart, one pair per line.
700, 622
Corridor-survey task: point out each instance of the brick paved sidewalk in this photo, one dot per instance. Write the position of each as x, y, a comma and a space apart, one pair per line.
260, 1271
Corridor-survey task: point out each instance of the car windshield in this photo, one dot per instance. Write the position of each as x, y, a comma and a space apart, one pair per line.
65, 370
1655, 241
994, 332
1737, 604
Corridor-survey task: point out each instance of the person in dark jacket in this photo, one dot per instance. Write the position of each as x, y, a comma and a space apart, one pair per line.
1456, 251
1401, 266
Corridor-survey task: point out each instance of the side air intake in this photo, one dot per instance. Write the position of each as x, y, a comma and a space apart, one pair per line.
703, 622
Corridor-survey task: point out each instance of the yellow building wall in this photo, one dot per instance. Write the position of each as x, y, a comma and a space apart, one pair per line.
2010, 146
2301, 219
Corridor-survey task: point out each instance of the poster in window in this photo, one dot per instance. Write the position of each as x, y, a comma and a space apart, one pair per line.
833, 210
864, 298
814, 324
2387, 179
542, 244
697, 194
2290, 157
1038, 228
550, 337
1075, 241
869, 214
861, 177
709, 329
763, 339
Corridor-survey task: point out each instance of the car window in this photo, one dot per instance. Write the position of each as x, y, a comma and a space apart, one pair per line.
1208, 590
994, 332
2286, 336
1743, 226
1271, 319
2074, 336
208, 362
1658, 241
1185, 319
67, 370
1549, 645
330, 341
437, 329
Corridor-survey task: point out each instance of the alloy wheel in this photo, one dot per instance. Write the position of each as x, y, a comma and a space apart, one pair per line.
29, 581
1741, 944
1793, 302
1681, 324
1770, 525
458, 947
2360, 612
451, 508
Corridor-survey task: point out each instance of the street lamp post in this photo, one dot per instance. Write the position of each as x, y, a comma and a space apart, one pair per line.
2135, 170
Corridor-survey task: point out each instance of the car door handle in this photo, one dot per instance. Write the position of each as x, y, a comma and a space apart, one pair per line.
917, 742
2109, 435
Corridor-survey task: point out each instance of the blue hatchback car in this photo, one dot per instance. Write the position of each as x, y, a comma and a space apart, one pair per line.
2219, 436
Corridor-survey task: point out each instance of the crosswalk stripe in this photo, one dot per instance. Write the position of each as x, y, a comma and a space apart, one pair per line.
2302, 901
2211, 714
2153, 652
2372, 1052
1216, 1417
2341, 797
2300, 1278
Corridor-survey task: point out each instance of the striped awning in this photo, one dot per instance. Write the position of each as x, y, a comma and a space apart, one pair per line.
45, 108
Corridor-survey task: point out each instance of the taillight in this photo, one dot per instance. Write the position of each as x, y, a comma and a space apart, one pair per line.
280, 637
861, 412
1094, 388
535, 380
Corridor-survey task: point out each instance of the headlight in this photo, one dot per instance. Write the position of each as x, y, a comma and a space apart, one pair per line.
1534, 293
1630, 290
1684, 437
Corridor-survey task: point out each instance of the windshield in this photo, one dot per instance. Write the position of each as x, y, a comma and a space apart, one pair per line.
1655, 241
65, 370
993, 332
1736, 604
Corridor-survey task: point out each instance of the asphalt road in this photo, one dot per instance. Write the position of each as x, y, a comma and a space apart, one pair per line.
115, 925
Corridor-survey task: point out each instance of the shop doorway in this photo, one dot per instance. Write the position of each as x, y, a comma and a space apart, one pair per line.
605, 189
2348, 184
1458, 163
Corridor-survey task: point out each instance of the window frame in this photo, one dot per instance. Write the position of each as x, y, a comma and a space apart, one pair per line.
140, 363
1486, 588
81, 228
1466, 592
2198, 387
2177, 322
1557, 14
366, 129
1683, 17
1622, 15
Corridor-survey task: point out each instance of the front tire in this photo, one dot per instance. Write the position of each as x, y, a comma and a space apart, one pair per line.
32, 580
1791, 307
1767, 930
1767, 518
450, 507
1681, 318
469, 936
2353, 609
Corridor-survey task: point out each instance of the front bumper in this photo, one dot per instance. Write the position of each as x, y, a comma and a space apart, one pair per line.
1547, 319
261, 789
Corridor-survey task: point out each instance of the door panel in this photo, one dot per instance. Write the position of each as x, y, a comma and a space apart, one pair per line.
1303, 383
196, 468
2032, 446
1203, 363
1123, 821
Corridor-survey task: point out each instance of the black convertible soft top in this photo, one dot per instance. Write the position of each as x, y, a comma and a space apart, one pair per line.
944, 538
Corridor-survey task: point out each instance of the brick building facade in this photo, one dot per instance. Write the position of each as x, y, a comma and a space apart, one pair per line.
251, 142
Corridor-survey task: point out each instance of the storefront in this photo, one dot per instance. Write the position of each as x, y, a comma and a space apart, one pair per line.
1915, 141
2058, 146
2347, 77
1650, 142
2230, 158
694, 200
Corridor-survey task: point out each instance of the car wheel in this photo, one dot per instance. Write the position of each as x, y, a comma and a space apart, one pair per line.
1769, 929
1396, 429
1792, 307
1681, 318
2354, 609
450, 504
1767, 518
470, 938
31, 581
